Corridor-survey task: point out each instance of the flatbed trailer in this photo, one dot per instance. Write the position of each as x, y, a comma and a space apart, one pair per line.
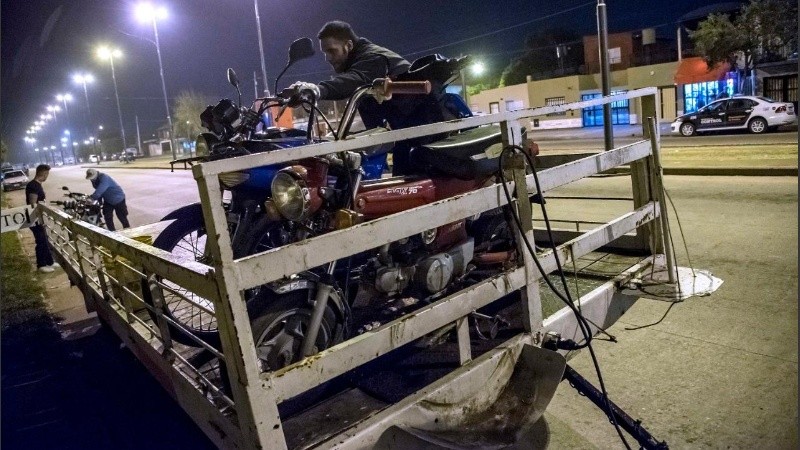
382, 388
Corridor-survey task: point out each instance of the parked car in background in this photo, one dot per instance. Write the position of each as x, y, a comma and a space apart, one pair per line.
756, 114
93, 158
14, 179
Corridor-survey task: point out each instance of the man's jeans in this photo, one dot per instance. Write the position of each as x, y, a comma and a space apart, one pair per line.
122, 215
43, 255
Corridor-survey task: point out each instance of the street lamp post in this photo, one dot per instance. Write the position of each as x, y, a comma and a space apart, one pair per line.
83, 79
53, 109
31, 141
67, 98
44, 119
107, 53
148, 13
263, 59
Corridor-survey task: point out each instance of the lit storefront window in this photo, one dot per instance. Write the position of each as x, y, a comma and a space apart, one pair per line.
593, 116
698, 95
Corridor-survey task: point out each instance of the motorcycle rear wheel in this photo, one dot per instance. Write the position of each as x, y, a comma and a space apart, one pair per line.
186, 236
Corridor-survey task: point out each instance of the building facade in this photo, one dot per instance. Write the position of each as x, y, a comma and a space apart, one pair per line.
684, 84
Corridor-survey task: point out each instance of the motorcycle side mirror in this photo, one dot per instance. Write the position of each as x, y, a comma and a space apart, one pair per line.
232, 78
300, 49
234, 81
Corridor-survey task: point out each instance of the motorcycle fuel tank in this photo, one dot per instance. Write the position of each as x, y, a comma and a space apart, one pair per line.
392, 195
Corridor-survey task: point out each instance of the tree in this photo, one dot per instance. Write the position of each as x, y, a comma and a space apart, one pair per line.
110, 141
3, 150
762, 31
548, 53
188, 107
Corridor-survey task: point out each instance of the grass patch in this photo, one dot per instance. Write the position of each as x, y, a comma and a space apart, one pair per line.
742, 155
23, 295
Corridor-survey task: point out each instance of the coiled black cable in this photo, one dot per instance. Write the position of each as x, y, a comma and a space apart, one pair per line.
582, 323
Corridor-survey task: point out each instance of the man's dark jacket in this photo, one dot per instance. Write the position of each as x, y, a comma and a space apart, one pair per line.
366, 62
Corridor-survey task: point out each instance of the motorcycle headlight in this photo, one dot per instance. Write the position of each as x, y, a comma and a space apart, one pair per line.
290, 194
231, 179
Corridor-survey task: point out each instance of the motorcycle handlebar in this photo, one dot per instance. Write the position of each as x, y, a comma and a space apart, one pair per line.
390, 87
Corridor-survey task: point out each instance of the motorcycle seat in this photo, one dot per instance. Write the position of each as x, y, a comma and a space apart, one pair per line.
469, 155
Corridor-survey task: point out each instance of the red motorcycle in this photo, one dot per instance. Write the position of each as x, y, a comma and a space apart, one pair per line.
326, 305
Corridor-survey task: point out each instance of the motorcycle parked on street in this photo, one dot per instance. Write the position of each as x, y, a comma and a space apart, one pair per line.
81, 206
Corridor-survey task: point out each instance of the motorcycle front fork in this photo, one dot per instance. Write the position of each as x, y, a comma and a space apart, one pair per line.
324, 287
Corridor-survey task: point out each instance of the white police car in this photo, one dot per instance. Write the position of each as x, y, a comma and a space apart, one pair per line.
756, 114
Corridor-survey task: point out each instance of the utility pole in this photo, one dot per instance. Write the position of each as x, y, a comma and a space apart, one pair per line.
138, 137
255, 83
263, 60
463, 74
605, 72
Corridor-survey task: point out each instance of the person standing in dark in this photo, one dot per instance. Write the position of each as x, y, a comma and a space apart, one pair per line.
113, 197
34, 193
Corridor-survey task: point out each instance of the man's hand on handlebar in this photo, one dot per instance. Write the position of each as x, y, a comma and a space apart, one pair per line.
302, 89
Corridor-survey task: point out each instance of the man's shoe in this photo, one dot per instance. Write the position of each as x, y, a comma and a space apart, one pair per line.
55, 266
46, 269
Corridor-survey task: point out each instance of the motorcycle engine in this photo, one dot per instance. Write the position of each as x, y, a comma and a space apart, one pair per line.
428, 273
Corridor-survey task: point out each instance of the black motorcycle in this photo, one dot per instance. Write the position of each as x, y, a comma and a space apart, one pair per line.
82, 207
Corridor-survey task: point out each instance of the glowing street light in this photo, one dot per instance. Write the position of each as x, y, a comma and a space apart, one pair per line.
477, 68
147, 12
110, 54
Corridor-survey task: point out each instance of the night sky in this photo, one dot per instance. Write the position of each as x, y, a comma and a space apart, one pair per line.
44, 42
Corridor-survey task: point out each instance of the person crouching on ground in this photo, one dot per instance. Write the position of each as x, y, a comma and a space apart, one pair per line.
113, 198
34, 193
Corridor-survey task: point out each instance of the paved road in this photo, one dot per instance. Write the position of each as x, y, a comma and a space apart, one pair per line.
150, 194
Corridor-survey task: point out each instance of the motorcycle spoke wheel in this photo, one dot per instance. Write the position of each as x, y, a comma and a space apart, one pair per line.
186, 237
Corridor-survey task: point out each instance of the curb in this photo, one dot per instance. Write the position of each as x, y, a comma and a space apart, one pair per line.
723, 171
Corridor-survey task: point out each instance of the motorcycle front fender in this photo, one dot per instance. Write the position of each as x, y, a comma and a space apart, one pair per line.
305, 282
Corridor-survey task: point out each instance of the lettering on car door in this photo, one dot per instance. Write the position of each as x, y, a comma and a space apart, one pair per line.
739, 110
